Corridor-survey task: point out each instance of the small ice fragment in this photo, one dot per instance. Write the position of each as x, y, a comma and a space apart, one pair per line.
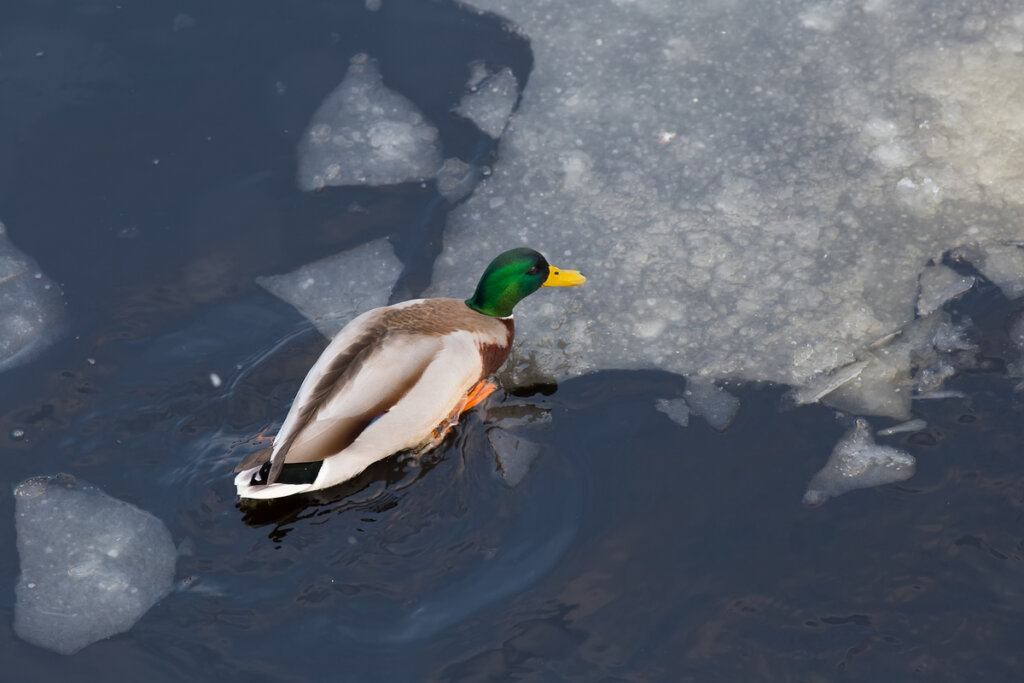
711, 402
17, 434
676, 409
456, 179
374, 5
512, 454
90, 361
915, 425
333, 290
365, 134
489, 103
91, 565
940, 284
857, 462
215, 380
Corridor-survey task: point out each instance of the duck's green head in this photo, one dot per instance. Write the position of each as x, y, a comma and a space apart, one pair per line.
515, 275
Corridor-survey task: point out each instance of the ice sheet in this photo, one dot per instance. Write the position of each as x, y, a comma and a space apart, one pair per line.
749, 196
366, 134
91, 565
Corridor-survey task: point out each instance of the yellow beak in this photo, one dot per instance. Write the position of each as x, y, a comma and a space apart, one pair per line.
563, 278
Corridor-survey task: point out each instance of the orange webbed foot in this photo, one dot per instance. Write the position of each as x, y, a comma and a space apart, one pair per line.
475, 397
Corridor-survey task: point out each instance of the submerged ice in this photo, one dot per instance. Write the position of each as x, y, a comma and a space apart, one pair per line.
366, 134
749, 197
857, 462
91, 565
31, 305
333, 290
489, 100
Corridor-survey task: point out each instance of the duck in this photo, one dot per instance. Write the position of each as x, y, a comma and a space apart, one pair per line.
397, 378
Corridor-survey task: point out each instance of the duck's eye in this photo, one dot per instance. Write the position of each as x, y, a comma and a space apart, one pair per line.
533, 270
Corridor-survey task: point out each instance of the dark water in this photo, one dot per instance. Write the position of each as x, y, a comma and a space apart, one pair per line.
634, 550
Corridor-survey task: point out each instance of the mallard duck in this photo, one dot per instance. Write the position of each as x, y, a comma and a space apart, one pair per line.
396, 378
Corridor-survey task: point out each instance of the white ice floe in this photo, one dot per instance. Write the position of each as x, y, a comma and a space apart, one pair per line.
31, 305
365, 134
91, 565
489, 100
333, 290
857, 462
749, 197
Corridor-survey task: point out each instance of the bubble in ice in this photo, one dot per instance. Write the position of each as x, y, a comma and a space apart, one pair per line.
91, 565
857, 462
31, 306
778, 216
366, 134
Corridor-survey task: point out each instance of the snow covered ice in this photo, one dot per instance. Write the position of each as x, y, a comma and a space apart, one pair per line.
366, 134
91, 565
857, 462
333, 290
31, 305
752, 190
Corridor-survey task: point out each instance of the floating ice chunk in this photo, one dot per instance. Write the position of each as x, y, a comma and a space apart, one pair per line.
940, 284
456, 179
713, 403
490, 100
333, 290
91, 565
31, 306
366, 134
857, 462
676, 409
